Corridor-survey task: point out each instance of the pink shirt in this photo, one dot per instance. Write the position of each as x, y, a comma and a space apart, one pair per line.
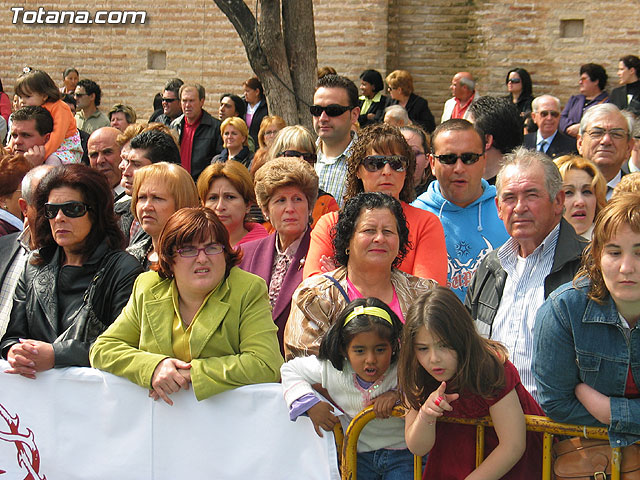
353, 293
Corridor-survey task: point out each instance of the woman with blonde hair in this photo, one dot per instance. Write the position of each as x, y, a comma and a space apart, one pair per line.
227, 189
235, 137
159, 190
585, 192
296, 141
400, 88
269, 128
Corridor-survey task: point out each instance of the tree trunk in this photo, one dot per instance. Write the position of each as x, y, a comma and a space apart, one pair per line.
282, 54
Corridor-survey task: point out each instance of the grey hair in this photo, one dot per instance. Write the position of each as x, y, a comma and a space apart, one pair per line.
605, 109
468, 82
525, 158
537, 100
26, 187
398, 112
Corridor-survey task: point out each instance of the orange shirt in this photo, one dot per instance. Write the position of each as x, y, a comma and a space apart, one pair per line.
64, 125
426, 259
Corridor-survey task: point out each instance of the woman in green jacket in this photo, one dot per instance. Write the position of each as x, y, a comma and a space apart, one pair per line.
198, 320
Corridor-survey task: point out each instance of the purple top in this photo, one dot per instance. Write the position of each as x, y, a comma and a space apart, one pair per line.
575, 108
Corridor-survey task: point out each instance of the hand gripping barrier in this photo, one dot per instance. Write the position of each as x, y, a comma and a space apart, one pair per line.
534, 423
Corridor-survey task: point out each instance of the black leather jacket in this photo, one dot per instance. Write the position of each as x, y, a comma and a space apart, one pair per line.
207, 141
35, 305
485, 292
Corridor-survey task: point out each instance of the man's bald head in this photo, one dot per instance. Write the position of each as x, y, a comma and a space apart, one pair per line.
463, 86
104, 153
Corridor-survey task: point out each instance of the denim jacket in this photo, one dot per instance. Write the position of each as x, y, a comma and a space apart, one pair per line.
577, 340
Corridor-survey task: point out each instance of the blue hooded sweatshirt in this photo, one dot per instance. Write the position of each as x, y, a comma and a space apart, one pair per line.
470, 232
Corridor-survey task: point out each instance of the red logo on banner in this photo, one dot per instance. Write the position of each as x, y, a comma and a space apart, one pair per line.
28, 457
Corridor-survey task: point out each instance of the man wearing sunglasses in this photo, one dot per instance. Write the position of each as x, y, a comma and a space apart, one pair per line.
89, 117
548, 139
171, 106
463, 200
334, 112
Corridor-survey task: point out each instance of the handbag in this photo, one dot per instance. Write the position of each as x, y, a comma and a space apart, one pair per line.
587, 459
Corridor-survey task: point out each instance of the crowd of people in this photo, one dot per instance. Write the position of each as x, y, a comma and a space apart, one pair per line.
485, 266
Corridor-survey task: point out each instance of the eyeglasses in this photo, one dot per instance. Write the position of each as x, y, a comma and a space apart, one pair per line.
309, 157
373, 163
514, 80
546, 113
616, 133
190, 251
466, 158
169, 100
71, 209
332, 110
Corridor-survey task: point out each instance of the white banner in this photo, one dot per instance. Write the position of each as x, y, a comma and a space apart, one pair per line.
81, 423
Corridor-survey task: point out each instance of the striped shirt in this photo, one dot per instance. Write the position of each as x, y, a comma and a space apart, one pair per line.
11, 278
522, 296
332, 171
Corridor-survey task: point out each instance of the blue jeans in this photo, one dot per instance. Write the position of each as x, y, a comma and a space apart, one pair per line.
386, 464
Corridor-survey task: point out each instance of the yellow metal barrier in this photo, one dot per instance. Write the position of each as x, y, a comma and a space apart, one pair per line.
350, 444
535, 423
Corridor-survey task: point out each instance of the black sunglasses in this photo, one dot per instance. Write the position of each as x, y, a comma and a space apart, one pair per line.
309, 157
332, 110
373, 163
451, 158
546, 113
71, 209
169, 100
514, 80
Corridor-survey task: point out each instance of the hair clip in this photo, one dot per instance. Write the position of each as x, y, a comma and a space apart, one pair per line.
26, 70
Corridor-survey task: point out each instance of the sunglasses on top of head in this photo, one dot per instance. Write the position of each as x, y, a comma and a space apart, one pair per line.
71, 209
309, 157
451, 158
373, 163
333, 110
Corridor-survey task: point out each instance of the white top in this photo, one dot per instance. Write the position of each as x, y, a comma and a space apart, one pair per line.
300, 373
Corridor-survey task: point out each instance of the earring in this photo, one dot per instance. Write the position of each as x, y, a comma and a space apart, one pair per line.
347, 251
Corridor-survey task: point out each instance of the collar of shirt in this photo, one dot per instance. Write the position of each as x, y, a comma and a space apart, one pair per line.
615, 180
252, 109
322, 158
118, 193
11, 219
549, 139
291, 249
509, 252
25, 239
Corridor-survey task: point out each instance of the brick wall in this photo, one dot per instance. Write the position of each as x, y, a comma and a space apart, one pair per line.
432, 39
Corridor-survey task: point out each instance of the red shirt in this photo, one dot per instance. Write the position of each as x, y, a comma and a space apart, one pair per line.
459, 110
186, 145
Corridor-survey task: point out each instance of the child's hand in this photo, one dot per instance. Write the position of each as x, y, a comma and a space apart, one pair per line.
327, 264
439, 401
321, 416
383, 404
